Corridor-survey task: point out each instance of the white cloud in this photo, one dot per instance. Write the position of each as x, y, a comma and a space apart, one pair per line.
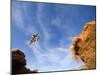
58, 58
30, 30
40, 14
56, 22
19, 16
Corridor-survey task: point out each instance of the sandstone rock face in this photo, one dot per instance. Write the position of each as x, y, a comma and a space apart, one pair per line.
84, 45
19, 62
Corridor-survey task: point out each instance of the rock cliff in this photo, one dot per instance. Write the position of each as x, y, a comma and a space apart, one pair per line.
19, 62
84, 45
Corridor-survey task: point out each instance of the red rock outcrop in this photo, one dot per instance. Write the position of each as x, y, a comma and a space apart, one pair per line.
84, 45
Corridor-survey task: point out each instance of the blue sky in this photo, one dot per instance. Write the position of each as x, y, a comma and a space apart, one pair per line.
56, 25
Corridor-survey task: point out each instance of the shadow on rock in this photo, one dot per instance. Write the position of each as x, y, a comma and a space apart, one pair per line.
19, 63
